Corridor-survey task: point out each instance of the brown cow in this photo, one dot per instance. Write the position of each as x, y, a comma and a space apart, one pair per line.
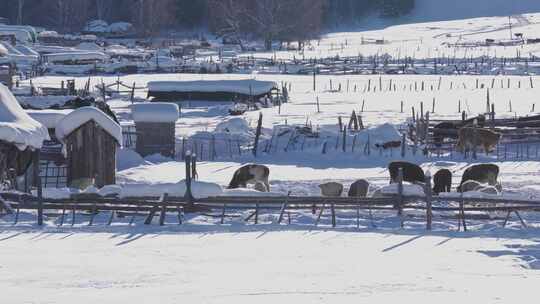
484, 138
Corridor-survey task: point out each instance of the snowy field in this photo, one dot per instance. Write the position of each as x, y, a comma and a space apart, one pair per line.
202, 261
266, 267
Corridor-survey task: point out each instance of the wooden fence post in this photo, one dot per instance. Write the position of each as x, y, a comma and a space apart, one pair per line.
188, 195
38, 185
400, 195
257, 135
163, 209
429, 211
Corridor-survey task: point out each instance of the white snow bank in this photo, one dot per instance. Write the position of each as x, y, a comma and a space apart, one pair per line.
408, 189
127, 158
48, 118
89, 46
249, 192
16, 126
83, 115
246, 86
155, 112
199, 190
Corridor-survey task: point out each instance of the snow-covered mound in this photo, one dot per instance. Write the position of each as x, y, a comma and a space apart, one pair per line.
158, 112
233, 126
16, 126
83, 115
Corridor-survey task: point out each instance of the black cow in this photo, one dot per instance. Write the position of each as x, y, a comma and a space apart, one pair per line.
359, 188
411, 173
442, 181
482, 173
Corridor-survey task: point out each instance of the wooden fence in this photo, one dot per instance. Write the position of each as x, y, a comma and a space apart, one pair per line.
218, 207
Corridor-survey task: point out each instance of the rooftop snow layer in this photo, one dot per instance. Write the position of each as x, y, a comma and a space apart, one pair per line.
155, 112
48, 118
56, 57
3, 50
18, 127
83, 115
245, 86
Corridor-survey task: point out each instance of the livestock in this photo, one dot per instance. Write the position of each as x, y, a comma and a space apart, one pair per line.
449, 129
261, 187
482, 173
411, 173
469, 185
250, 174
359, 188
442, 181
331, 189
469, 138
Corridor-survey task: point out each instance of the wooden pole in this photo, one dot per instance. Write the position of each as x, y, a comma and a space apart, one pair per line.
257, 135
37, 184
429, 212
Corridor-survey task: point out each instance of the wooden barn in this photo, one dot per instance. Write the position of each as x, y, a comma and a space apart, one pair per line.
155, 124
20, 137
90, 139
211, 90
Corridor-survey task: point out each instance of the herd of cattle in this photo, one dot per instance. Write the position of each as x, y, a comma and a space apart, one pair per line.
480, 177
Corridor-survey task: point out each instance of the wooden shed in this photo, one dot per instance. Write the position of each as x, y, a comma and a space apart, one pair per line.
20, 136
90, 139
155, 124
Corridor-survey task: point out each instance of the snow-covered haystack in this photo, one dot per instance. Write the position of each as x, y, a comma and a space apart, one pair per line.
234, 130
16, 126
234, 126
379, 135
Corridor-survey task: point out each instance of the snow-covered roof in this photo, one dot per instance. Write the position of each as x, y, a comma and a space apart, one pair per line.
48, 118
80, 55
16, 126
79, 117
155, 112
245, 86
3, 50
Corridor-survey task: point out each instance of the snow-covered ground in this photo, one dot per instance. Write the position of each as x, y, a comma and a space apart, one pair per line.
221, 266
202, 261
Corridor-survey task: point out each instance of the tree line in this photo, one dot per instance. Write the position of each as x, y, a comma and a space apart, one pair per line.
270, 20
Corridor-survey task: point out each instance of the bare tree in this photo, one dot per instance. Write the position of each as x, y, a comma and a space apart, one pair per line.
20, 6
103, 9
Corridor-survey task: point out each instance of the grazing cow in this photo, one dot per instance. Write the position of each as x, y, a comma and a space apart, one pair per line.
482, 173
411, 173
488, 190
442, 181
250, 174
469, 185
485, 138
261, 187
331, 189
359, 188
